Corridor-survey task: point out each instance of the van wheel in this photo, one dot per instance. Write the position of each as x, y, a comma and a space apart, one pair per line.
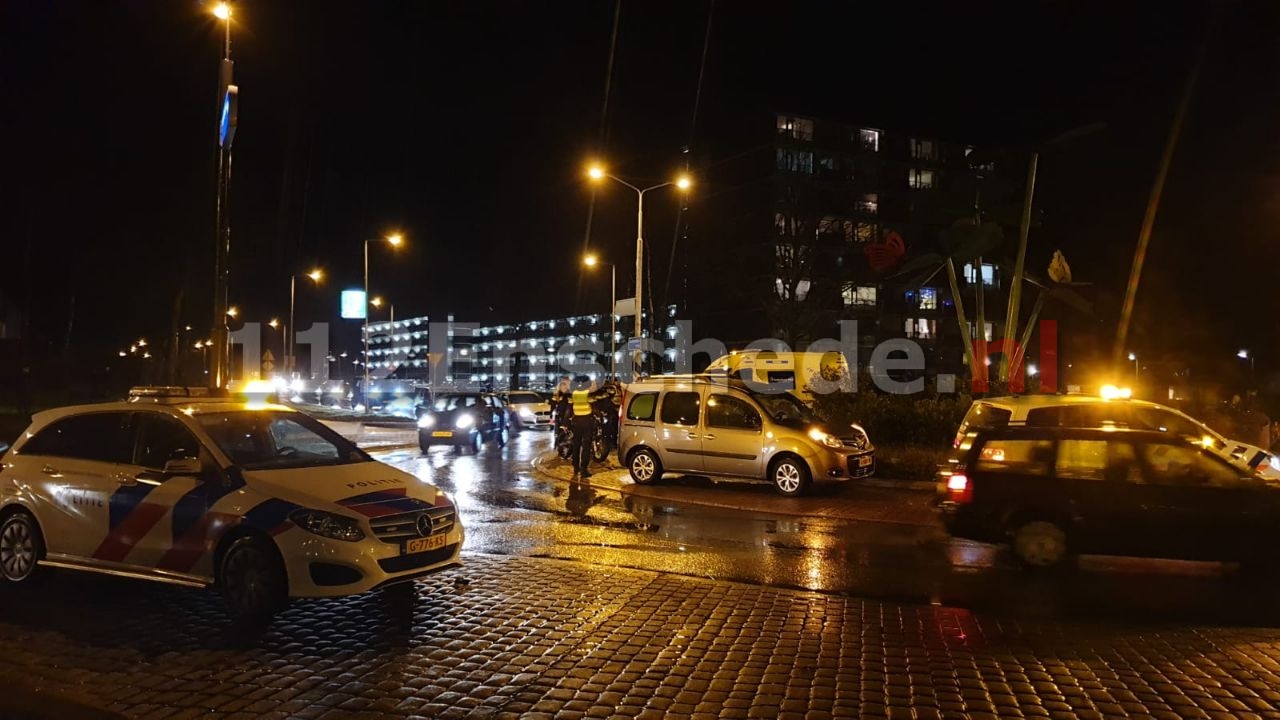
1040, 544
644, 466
790, 476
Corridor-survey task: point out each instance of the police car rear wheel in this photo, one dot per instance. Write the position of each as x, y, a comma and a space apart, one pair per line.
20, 546
253, 579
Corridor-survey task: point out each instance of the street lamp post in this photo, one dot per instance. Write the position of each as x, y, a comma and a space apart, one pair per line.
289, 362
394, 240
597, 173
1133, 358
1244, 354
226, 122
591, 261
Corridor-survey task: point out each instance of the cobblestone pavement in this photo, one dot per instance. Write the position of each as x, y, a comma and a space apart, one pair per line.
543, 638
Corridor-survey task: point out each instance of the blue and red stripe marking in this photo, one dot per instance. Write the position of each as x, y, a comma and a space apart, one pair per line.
381, 503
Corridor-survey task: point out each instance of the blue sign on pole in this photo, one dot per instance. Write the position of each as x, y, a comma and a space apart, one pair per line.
353, 305
230, 116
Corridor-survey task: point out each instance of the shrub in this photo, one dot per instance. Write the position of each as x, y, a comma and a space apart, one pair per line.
922, 419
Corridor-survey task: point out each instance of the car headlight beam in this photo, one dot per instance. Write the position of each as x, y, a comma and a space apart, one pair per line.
464, 421
427, 421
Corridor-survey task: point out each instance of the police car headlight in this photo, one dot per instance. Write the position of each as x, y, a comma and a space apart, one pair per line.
324, 524
464, 421
426, 421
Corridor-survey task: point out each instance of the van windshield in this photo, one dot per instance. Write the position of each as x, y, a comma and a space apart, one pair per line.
784, 408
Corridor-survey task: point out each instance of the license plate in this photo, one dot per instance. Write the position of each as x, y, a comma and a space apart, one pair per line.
442, 433
418, 545
864, 461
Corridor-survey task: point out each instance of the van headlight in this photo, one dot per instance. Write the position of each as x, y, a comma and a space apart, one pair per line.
464, 421
426, 421
825, 438
326, 524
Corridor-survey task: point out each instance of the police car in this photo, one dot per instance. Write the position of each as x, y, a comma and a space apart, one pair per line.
257, 500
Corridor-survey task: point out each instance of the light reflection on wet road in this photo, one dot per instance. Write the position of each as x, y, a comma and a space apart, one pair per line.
511, 509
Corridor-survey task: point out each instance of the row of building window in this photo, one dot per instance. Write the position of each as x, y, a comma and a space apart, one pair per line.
801, 161
801, 128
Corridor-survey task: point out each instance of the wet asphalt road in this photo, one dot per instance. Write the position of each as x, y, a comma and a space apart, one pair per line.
509, 508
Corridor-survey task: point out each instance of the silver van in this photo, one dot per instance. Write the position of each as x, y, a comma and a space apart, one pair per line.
708, 425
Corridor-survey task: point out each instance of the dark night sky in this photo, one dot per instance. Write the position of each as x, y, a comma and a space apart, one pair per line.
466, 125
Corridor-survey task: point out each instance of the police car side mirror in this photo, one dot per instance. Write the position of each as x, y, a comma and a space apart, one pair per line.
183, 466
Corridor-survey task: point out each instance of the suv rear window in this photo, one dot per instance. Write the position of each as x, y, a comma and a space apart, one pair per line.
641, 407
103, 436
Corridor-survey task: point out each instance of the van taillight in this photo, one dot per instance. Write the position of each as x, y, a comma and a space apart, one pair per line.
958, 489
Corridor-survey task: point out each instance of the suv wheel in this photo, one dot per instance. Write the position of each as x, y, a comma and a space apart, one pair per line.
477, 442
1040, 543
644, 466
790, 476
20, 546
252, 578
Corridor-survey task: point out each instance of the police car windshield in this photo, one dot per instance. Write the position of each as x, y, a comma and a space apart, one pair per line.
276, 440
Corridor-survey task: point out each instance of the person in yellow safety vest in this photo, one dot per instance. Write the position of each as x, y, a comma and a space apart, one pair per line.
583, 422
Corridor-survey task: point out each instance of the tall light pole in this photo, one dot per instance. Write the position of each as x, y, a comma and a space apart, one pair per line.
1133, 358
591, 260
378, 302
1244, 354
394, 240
683, 182
227, 112
289, 362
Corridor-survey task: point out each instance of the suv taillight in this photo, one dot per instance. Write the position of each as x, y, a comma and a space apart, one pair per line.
959, 490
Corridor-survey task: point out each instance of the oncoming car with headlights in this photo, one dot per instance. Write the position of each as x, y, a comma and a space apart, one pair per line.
463, 420
258, 500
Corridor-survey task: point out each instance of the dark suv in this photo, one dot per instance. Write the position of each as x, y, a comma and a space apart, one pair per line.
1056, 492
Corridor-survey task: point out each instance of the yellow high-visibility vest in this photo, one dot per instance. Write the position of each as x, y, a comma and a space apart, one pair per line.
581, 403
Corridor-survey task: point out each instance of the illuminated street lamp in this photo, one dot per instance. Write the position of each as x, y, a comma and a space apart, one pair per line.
591, 260
1133, 358
291, 338
598, 173
1244, 354
394, 240
226, 113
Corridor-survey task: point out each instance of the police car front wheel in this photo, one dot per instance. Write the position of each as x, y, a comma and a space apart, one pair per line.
252, 578
21, 546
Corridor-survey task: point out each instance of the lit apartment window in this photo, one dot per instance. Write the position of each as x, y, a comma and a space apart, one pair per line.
988, 274
869, 204
923, 149
869, 139
827, 163
864, 232
835, 228
794, 160
784, 290
922, 328
920, 179
863, 295
795, 127
989, 327
928, 298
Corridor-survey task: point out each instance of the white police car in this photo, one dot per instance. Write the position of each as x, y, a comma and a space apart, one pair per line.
257, 500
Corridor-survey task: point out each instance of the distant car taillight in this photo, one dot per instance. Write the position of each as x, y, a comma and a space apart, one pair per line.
958, 489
